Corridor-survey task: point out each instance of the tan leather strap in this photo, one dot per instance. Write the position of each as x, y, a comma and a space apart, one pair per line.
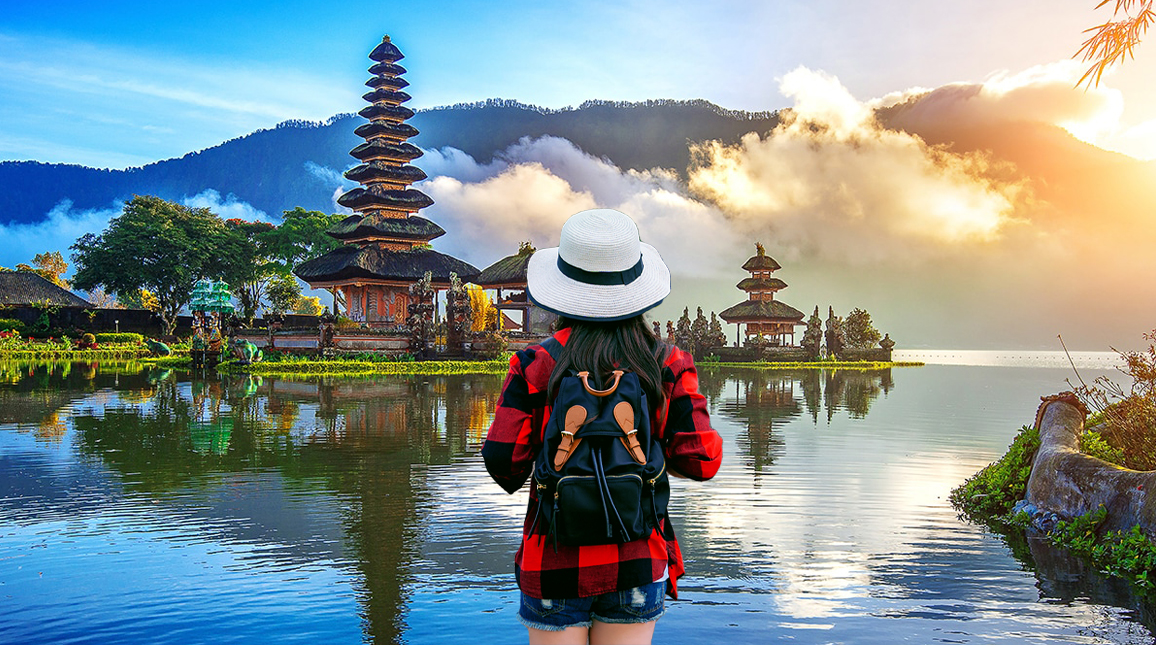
624, 415
607, 392
575, 416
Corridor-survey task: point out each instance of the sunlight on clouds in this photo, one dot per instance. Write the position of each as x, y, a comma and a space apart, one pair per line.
831, 180
1044, 94
532, 187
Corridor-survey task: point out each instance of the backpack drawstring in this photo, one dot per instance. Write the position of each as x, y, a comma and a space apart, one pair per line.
604, 493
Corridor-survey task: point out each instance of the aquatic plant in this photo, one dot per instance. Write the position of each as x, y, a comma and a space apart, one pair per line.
1127, 554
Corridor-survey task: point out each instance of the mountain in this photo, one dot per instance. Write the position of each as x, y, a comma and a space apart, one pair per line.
280, 168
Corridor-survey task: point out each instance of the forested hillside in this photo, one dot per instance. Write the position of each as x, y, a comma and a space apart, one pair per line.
271, 169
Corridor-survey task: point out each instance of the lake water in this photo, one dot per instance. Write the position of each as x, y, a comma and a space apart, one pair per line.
147, 506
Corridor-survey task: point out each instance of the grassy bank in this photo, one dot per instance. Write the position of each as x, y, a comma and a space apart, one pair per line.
50, 352
342, 367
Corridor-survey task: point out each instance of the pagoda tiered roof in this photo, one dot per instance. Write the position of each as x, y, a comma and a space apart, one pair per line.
374, 262
386, 129
386, 52
382, 149
760, 311
760, 261
761, 284
389, 82
384, 239
376, 196
387, 69
396, 113
375, 171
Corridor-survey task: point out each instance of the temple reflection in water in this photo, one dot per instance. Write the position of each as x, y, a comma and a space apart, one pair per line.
349, 471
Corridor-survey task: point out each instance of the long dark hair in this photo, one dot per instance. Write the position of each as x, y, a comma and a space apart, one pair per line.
602, 347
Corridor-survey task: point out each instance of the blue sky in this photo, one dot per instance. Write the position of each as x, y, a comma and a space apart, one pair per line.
126, 83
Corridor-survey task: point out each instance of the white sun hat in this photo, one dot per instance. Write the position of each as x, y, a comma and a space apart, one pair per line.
600, 270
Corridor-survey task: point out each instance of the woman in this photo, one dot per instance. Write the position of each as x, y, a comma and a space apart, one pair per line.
600, 280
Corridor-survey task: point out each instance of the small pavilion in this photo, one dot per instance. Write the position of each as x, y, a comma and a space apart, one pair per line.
386, 244
509, 274
773, 320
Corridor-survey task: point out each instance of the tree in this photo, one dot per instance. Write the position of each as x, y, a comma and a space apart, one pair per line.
102, 300
858, 330
1115, 40
836, 341
248, 268
813, 335
309, 306
284, 293
301, 236
154, 245
49, 265
484, 316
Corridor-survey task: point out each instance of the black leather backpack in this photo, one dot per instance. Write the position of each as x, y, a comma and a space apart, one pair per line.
600, 475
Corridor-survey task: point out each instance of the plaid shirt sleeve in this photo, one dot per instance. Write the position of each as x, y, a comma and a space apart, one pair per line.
692, 447
515, 435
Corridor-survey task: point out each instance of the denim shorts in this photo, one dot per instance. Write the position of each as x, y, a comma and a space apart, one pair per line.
638, 605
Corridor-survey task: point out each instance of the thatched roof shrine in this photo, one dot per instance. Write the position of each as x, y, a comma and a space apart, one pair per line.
761, 310
761, 313
22, 288
509, 272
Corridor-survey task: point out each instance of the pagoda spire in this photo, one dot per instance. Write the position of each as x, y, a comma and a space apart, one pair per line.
384, 172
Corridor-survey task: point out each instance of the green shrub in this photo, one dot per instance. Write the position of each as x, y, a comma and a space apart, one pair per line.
122, 337
1093, 444
991, 493
11, 324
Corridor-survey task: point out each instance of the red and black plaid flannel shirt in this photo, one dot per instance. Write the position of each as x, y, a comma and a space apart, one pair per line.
691, 447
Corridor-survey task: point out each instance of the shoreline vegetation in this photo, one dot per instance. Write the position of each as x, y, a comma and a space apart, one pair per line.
364, 365
1121, 431
992, 497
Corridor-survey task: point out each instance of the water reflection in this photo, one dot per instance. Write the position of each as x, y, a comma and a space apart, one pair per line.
765, 400
344, 510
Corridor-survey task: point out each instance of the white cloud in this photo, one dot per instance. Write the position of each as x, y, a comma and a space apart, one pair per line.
58, 231
228, 208
532, 187
831, 182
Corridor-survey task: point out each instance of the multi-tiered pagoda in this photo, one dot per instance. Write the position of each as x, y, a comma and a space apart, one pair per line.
773, 320
386, 244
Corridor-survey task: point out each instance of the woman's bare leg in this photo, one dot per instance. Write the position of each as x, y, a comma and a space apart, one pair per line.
575, 635
621, 633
